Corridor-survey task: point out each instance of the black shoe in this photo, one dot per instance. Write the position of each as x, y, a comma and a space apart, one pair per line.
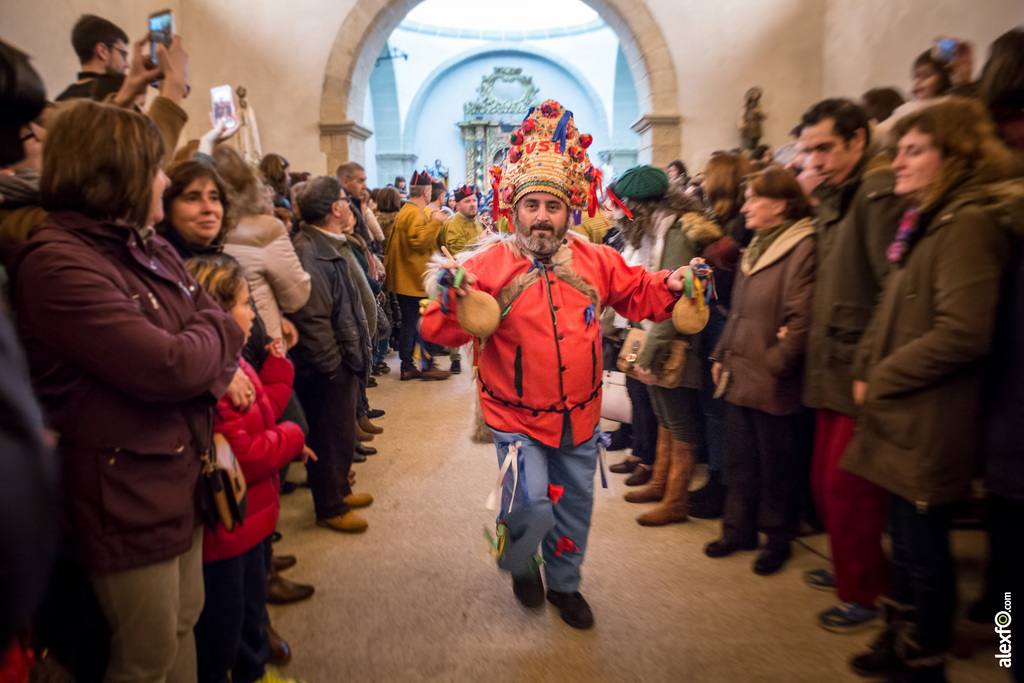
626, 466
723, 547
371, 382
373, 413
772, 558
529, 590
880, 660
365, 450
641, 475
358, 457
574, 609
288, 487
456, 367
708, 501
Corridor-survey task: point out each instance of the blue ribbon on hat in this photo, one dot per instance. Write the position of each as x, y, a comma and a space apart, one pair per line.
561, 130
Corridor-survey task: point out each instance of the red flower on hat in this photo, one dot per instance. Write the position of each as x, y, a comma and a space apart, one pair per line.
589, 173
514, 155
529, 125
496, 173
517, 138
506, 194
549, 109
576, 197
586, 140
576, 153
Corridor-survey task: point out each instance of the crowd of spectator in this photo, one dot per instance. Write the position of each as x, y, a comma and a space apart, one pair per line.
860, 365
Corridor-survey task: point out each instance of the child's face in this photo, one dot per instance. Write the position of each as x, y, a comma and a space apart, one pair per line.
242, 312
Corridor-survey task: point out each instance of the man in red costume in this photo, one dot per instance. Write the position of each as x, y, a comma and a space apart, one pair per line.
540, 371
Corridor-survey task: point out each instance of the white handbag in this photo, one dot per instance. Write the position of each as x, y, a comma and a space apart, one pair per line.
615, 403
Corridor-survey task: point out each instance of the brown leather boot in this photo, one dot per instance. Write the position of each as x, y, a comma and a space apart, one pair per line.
655, 488
369, 427
281, 652
673, 506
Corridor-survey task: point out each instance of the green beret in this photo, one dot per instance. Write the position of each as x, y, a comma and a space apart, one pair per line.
642, 182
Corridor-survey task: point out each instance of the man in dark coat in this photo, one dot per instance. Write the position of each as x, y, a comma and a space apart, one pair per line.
333, 350
857, 215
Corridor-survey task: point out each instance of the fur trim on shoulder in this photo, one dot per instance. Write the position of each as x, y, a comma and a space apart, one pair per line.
700, 230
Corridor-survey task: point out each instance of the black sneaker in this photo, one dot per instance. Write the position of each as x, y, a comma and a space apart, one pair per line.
574, 609
529, 590
456, 367
374, 413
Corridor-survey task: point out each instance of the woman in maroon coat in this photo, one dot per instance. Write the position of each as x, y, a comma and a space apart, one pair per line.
122, 345
231, 635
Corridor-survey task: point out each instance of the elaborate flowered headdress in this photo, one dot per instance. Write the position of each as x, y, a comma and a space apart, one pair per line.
548, 154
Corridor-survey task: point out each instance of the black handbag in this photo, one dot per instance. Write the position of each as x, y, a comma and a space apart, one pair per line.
223, 489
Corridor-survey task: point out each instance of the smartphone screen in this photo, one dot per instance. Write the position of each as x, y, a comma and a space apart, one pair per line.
161, 30
223, 106
946, 47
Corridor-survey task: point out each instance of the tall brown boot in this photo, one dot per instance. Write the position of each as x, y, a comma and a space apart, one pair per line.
673, 506
655, 488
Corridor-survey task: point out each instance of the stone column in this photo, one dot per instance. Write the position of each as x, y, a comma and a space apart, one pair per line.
660, 138
393, 164
343, 142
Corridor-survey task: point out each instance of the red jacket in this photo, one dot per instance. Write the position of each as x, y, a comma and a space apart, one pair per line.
262, 447
546, 358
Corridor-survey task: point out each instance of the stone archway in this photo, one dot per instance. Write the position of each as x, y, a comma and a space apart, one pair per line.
350, 63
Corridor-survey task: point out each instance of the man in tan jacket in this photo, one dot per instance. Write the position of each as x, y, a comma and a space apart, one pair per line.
412, 241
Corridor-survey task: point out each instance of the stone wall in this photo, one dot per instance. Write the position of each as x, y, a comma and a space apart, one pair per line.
797, 50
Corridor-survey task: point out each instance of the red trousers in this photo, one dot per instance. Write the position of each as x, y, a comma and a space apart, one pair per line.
853, 510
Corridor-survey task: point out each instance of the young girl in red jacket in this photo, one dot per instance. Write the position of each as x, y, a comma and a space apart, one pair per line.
231, 635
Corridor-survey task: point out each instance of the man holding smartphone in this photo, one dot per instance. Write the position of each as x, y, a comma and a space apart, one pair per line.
102, 48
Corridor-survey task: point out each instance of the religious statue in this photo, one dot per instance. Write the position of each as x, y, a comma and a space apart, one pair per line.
751, 118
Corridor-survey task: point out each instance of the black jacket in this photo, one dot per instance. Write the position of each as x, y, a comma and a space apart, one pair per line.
1004, 390
332, 325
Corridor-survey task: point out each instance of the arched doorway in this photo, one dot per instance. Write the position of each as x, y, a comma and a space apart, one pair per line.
343, 132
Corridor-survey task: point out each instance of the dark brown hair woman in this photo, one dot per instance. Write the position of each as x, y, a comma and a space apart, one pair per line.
124, 350
758, 370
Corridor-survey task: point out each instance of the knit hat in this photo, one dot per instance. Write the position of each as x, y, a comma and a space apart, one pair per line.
548, 154
420, 178
464, 191
642, 182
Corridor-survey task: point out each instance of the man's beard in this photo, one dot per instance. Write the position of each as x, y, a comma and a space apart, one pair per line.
537, 244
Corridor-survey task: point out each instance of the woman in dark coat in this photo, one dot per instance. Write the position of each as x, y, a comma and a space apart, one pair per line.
759, 370
125, 349
922, 359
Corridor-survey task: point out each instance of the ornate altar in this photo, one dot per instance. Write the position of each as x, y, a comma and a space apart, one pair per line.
505, 98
